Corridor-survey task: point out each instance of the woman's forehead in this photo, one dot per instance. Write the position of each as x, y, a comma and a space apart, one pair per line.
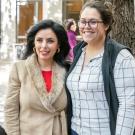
89, 12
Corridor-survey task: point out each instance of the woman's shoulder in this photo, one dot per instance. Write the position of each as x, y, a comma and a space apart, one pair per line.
125, 54
71, 33
17, 66
125, 58
59, 68
18, 70
19, 63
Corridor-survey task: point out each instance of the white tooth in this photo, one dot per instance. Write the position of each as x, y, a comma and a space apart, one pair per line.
88, 33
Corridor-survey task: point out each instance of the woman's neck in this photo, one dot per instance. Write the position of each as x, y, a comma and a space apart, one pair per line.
46, 65
95, 46
93, 49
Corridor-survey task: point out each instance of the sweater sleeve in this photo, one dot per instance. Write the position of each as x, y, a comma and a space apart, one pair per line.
12, 103
124, 74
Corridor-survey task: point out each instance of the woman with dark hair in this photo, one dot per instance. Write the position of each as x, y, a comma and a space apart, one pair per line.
36, 99
71, 33
101, 79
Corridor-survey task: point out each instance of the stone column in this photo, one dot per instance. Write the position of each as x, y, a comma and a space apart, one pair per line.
35, 12
134, 9
8, 28
52, 9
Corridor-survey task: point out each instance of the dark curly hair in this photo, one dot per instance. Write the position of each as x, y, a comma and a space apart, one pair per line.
61, 35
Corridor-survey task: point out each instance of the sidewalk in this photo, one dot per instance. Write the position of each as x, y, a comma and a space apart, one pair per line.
5, 66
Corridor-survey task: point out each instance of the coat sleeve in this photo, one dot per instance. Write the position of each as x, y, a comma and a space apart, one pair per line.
125, 87
12, 103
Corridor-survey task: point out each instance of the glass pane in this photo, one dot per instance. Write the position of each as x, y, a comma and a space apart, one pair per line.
72, 8
28, 13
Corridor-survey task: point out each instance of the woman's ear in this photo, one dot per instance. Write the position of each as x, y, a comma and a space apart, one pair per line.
106, 27
58, 50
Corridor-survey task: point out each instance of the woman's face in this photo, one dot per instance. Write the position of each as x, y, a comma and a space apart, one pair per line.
73, 27
91, 25
46, 44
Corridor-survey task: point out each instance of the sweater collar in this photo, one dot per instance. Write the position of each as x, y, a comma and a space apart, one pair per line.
34, 71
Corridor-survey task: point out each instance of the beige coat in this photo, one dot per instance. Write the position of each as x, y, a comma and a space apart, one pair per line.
29, 109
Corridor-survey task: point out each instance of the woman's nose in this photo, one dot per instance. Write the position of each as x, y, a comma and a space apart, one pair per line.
87, 25
44, 44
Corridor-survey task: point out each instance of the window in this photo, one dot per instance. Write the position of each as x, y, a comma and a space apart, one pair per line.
28, 13
71, 9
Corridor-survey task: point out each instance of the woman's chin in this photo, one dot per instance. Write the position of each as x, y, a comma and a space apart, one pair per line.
88, 40
44, 58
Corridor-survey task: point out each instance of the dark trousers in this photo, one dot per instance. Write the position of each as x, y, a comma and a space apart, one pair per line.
2, 131
73, 132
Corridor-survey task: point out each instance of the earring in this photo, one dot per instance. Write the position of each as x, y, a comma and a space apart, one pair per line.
34, 50
58, 50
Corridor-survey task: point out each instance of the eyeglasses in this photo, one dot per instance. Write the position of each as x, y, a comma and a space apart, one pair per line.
91, 23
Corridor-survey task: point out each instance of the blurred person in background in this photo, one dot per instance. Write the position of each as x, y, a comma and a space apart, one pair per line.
71, 33
101, 79
36, 98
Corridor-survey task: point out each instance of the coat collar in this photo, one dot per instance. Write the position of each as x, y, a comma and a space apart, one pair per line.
58, 74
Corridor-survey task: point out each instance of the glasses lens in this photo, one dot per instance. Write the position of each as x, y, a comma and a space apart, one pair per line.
81, 23
92, 24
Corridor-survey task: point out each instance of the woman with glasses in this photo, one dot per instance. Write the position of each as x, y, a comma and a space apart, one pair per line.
101, 79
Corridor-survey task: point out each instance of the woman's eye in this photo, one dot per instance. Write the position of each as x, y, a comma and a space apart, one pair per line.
83, 22
39, 40
93, 22
50, 41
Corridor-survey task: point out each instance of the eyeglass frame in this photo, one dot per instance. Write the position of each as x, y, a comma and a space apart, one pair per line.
88, 22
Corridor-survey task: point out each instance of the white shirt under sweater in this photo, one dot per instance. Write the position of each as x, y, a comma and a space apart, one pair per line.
90, 107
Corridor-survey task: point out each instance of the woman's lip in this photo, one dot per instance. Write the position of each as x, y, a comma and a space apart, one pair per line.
44, 52
88, 33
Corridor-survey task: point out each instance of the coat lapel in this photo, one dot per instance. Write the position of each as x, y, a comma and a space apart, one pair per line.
47, 99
